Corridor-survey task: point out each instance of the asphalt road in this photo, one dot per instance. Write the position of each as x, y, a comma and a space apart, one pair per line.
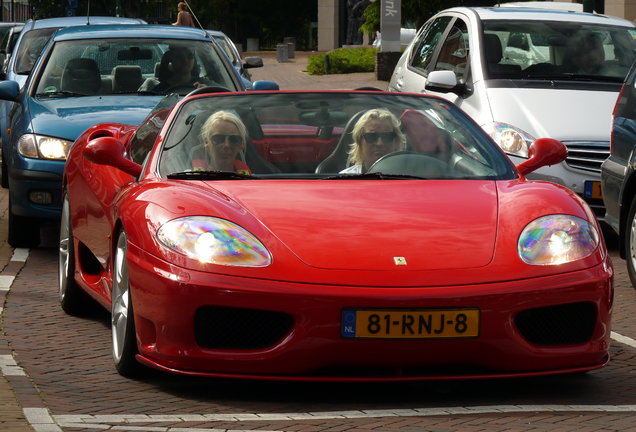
60, 371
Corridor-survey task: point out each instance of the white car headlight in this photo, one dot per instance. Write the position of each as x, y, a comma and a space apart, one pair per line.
215, 241
43, 147
557, 239
512, 140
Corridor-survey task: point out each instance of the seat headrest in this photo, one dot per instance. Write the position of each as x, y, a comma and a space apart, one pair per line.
127, 78
424, 136
492, 48
81, 75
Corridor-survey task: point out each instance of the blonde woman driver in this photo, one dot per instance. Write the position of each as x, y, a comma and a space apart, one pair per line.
224, 137
374, 135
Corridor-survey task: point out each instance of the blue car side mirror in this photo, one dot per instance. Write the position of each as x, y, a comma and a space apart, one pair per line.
265, 85
9, 90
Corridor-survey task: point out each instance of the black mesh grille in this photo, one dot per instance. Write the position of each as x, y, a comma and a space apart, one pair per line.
587, 155
235, 328
566, 324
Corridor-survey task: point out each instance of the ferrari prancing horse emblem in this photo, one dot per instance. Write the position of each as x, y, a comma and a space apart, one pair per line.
399, 260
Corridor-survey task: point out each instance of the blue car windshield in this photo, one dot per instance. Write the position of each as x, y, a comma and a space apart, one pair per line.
119, 66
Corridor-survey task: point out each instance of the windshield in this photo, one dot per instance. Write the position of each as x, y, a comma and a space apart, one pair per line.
557, 50
329, 135
225, 45
119, 66
30, 47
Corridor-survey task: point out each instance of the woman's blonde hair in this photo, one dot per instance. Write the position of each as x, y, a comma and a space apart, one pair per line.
227, 116
355, 157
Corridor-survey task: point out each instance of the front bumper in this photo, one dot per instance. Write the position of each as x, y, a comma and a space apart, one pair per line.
298, 327
27, 184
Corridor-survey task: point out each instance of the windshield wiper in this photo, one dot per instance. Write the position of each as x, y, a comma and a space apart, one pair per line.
60, 94
139, 92
209, 175
372, 176
574, 77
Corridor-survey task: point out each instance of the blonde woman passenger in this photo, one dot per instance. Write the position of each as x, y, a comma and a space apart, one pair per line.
376, 134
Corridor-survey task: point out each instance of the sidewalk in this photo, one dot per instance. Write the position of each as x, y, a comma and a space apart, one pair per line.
291, 75
12, 417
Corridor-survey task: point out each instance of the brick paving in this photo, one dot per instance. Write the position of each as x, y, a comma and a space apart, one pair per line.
12, 418
71, 385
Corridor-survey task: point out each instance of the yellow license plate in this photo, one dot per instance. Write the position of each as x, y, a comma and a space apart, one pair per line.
592, 189
410, 323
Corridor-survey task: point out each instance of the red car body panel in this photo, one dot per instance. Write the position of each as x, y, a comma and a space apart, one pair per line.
334, 245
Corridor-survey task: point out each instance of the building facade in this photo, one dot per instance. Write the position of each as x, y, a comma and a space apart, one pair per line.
332, 17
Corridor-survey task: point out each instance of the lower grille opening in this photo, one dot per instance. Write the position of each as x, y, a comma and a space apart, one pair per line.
566, 324
237, 328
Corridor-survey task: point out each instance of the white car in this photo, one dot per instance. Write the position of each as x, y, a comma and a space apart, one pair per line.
523, 73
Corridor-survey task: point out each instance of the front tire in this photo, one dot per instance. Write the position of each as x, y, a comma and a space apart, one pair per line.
24, 232
124, 337
4, 178
72, 298
630, 242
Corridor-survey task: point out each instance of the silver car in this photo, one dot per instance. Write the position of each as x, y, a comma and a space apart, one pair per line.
525, 73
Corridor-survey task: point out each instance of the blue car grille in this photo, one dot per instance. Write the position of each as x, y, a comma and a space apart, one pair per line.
587, 156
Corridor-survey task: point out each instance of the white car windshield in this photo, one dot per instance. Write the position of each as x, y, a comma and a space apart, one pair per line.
557, 50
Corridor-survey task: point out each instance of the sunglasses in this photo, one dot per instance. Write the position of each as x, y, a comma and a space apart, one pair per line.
219, 139
372, 137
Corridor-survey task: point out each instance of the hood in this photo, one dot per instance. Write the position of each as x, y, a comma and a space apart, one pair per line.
566, 115
67, 118
376, 225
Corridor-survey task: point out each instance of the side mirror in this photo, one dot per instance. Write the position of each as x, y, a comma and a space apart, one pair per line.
9, 90
111, 152
543, 152
444, 82
253, 62
265, 85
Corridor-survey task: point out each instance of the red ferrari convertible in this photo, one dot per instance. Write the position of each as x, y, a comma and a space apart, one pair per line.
330, 235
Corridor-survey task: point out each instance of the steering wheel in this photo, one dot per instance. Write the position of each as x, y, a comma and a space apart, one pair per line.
208, 89
410, 163
180, 88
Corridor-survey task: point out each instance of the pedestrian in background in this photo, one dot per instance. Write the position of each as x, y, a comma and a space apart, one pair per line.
184, 18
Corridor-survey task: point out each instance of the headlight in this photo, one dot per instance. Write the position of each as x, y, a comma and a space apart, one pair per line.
512, 140
43, 147
557, 239
212, 240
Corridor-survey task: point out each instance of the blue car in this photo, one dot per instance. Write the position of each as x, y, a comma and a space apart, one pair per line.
25, 50
235, 57
92, 74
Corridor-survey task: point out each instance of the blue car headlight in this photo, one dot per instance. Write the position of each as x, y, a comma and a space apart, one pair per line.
43, 147
215, 241
557, 239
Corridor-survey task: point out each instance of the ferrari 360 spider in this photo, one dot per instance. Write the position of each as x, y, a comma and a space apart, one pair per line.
330, 235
